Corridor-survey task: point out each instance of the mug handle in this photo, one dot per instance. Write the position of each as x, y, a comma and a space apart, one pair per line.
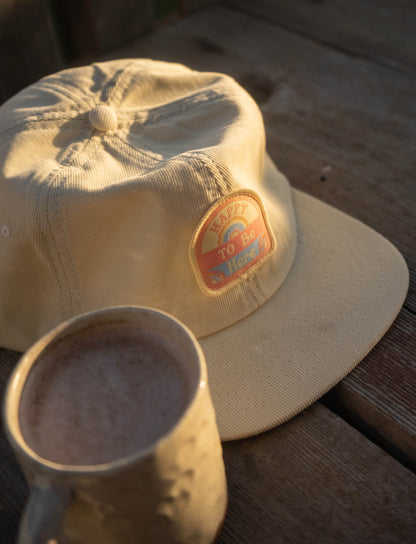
43, 513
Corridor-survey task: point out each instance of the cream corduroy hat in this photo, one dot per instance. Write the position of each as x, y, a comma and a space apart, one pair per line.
137, 182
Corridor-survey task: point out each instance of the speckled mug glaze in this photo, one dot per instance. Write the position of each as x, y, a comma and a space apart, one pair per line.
171, 492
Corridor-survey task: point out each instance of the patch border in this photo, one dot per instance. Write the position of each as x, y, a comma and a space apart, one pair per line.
192, 246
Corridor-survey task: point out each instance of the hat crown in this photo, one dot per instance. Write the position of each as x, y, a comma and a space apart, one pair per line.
108, 169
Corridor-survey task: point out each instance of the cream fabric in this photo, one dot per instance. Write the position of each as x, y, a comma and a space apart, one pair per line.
106, 217
105, 173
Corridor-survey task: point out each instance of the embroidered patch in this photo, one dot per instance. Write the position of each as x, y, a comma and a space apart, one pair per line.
232, 237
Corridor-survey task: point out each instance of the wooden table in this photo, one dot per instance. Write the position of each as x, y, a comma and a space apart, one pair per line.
336, 83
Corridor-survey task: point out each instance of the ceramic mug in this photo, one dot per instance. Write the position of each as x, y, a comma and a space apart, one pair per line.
172, 490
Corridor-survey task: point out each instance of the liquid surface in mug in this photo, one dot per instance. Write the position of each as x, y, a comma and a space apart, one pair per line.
102, 394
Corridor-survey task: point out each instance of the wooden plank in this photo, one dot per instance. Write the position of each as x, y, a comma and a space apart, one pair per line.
368, 401
348, 110
13, 488
75, 30
187, 6
89, 27
119, 22
323, 108
28, 46
165, 8
316, 479
378, 29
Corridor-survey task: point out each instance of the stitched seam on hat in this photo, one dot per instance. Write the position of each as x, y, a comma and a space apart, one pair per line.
116, 94
116, 87
65, 92
146, 115
258, 293
132, 149
67, 262
224, 182
182, 105
150, 115
61, 268
159, 113
26, 124
216, 187
74, 295
69, 155
46, 239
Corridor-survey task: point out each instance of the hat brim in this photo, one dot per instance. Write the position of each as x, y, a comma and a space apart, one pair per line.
344, 290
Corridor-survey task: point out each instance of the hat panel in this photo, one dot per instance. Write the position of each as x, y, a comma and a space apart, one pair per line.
30, 296
128, 228
82, 86
128, 219
122, 205
191, 126
154, 84
218, 113
23, 319
40, 149
53, 96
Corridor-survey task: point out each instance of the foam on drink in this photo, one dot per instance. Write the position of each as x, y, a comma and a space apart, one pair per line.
102, 394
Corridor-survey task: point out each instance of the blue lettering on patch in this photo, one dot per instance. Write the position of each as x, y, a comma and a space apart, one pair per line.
238, 261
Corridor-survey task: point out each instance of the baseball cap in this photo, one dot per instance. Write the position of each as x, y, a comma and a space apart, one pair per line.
141, 182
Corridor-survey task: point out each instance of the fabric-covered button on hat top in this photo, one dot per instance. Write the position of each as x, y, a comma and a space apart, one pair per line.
103, 118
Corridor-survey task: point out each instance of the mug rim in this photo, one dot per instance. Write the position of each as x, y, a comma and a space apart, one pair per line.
19, 375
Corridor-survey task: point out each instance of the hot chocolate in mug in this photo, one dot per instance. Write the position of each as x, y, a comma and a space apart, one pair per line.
112, 422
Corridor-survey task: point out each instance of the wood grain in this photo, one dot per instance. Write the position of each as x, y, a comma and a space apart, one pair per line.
379, 397
326, 109
119, 22
28, 45
380, 30
88, 27
187, 6
316, 479
13, 488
